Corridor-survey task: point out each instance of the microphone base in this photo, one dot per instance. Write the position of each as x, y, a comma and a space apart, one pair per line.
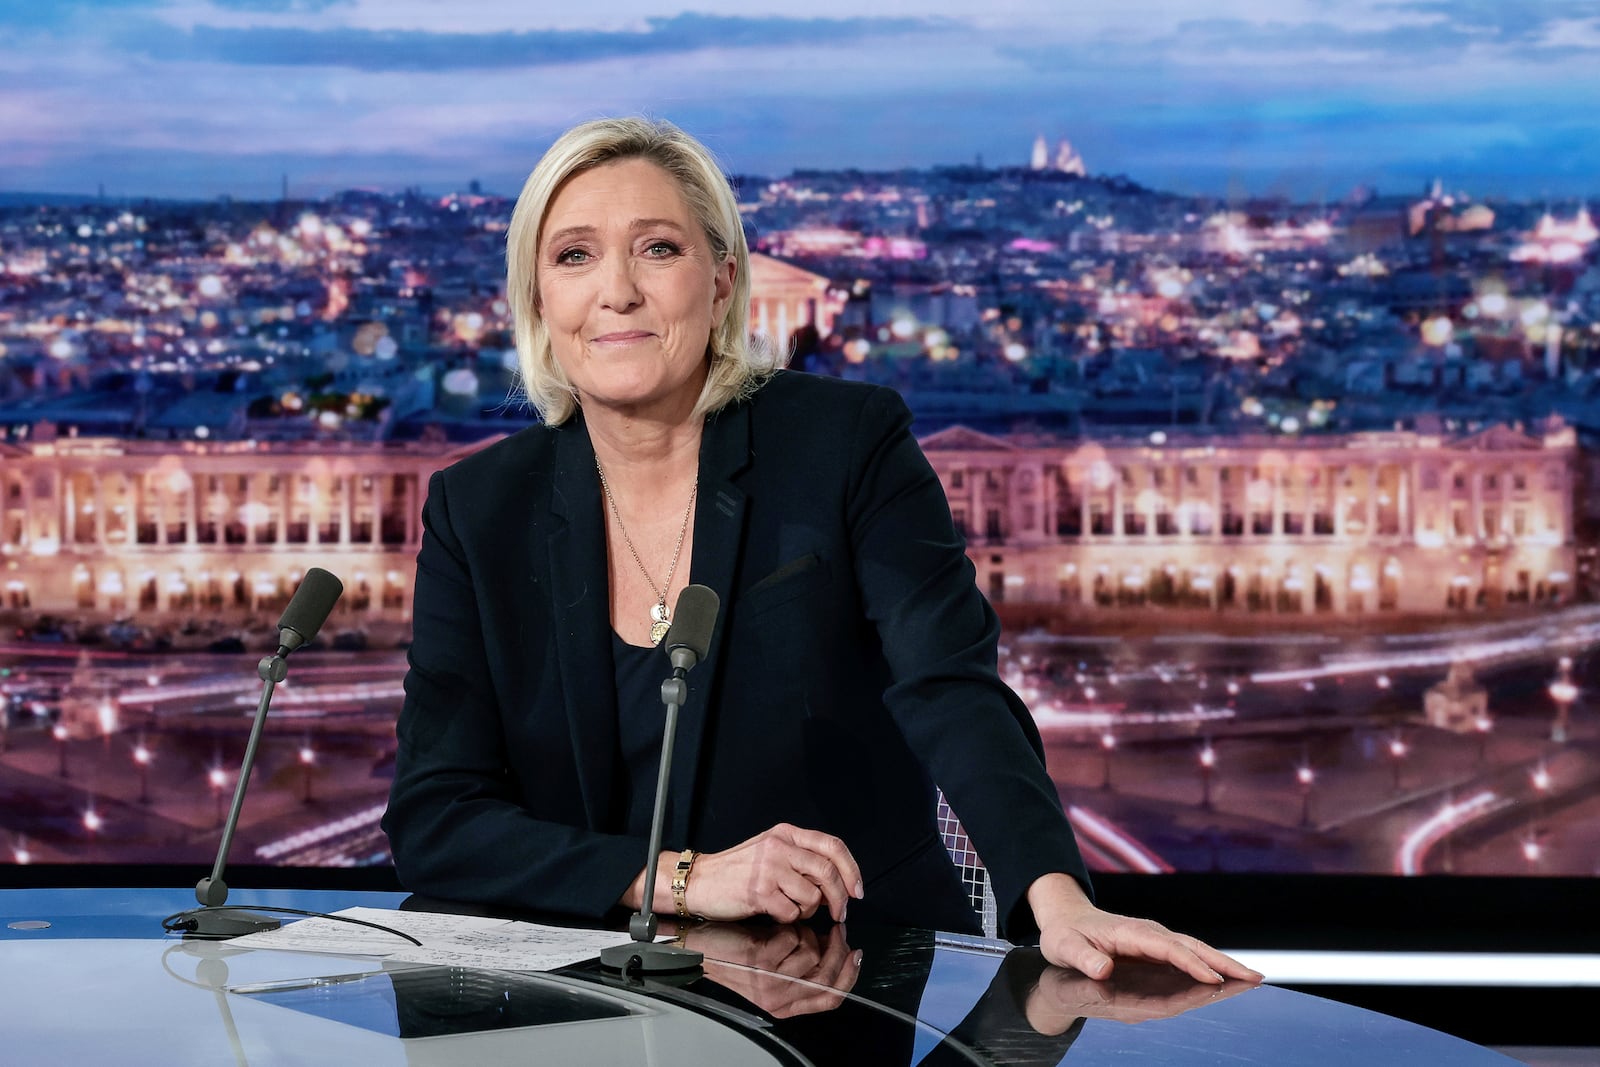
647, 957
216, 924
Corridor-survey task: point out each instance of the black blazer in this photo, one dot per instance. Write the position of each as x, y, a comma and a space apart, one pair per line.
853, 665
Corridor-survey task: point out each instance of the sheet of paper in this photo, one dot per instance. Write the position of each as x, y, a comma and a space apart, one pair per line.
515, 947
447, 940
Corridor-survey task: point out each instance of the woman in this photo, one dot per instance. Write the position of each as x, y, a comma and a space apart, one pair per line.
853, 662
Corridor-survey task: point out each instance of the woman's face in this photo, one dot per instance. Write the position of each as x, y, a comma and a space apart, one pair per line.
630, 288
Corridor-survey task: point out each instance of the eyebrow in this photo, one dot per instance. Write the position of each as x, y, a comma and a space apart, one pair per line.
573, 232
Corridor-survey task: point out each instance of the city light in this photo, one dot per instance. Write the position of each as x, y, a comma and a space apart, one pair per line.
60, 734
1438, 331
1398, 750
1304, 775
308, 758
1420, 840
219, 780
142, 758
1564, 693
460, 382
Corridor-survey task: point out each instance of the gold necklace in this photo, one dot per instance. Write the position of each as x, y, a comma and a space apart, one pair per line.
660, 617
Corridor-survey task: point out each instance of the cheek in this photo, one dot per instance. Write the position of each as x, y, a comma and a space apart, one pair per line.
561, 306
562, 320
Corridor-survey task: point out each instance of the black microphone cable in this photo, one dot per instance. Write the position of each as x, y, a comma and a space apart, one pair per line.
186, 922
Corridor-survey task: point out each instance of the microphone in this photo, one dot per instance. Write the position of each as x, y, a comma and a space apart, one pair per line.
693, 620
308, 609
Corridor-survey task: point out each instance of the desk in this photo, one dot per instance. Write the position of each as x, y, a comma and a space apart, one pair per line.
102, 984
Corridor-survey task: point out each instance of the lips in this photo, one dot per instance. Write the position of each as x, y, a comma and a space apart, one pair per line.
622, 337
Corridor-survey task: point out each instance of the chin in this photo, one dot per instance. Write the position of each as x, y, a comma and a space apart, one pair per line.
619, 397
626, 390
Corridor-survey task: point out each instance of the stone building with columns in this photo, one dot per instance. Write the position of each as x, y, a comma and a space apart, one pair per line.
1369, 522
1406, 522
103, 528
784, 297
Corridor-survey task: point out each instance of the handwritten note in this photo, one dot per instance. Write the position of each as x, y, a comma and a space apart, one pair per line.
447, 940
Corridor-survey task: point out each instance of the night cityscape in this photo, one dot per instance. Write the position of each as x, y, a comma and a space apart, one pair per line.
201, 400
1284, 488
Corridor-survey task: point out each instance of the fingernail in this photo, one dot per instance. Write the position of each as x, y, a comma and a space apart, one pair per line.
856, 957
844, 911
861, 890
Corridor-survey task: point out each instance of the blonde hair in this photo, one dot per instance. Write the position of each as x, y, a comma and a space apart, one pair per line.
738, 365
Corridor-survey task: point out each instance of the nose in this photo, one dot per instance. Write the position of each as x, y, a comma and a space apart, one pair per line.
618, 290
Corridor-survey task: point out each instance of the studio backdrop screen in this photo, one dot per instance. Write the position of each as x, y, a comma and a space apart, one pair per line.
1255, 345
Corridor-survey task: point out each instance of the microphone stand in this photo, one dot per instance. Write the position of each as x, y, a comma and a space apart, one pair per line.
212, 891
308, 609
643, 955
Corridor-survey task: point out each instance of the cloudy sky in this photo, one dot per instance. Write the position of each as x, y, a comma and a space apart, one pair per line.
196, 98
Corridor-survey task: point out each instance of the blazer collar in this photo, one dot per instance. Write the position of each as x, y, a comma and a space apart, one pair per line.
581, 619
719, 521
582, 616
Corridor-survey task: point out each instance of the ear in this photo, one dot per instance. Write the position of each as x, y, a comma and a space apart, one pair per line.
722, 287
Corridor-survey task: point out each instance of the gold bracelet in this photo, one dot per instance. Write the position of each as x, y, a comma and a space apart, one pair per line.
680, 882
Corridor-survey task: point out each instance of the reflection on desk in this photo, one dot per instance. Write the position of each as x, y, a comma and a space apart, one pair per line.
98, 986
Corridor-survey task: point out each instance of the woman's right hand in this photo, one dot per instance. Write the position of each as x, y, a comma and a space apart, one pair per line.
787, 872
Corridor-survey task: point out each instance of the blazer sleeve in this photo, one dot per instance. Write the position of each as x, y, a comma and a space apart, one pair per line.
457, 826
940, 637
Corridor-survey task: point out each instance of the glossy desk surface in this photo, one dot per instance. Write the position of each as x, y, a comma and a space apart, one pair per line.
102, 984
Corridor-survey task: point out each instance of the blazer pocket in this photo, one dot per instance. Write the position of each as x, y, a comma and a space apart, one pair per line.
790, 580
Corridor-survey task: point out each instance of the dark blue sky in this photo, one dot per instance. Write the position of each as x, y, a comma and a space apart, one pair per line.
1305, 97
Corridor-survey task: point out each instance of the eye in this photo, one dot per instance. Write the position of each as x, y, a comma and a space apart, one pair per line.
661, 249
572, 256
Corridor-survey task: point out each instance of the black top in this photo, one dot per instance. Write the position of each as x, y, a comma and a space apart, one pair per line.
641, 718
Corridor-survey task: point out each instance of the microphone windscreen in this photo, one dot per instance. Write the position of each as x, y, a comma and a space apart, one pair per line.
312, 603
693, 620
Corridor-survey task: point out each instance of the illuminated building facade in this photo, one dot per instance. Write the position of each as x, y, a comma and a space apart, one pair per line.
1372, 522
1367, 522
96, 527
784, 298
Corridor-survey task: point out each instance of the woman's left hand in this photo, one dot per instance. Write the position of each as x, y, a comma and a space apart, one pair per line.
1074, 933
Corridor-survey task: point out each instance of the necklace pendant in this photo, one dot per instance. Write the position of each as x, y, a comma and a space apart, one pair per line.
659, 631
658, 611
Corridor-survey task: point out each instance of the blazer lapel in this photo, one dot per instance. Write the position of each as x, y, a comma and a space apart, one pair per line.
582, 620
719, 516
